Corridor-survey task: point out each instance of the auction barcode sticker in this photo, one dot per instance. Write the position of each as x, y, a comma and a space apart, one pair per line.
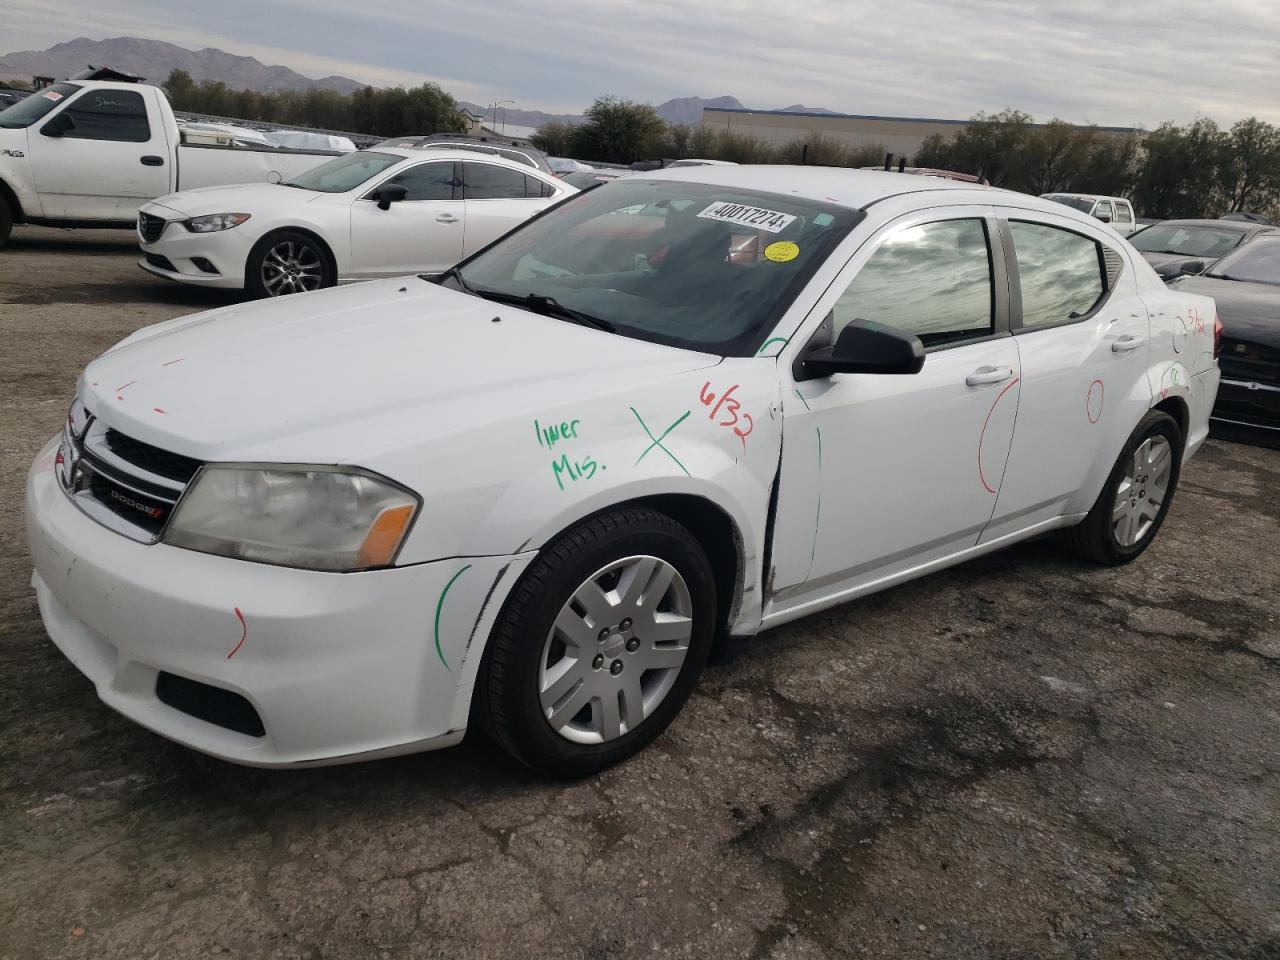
746, 216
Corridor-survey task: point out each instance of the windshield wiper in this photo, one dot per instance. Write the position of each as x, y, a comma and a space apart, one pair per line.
547, 306
456, 274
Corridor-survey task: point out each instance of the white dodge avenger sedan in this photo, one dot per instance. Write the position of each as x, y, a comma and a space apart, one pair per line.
376, 213
535, 491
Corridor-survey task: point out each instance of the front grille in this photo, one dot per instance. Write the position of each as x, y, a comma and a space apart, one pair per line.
224, 708
127, 485
1245, 360
150, 228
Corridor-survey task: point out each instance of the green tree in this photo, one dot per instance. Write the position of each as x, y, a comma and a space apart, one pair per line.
937, 152
554, 138
618, 131
1249, 167
987, 146
1049, 157
1178, 176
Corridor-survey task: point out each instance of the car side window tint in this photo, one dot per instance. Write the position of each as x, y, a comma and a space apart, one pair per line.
119, 115
933, 280
1061, 273
428, 181
486, 181
533, 187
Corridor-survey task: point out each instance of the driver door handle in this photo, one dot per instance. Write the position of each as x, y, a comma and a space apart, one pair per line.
150, 160
1125, 344
985, 375
446, 218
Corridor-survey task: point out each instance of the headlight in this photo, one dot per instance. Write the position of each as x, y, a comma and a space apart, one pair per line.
320, 518
215, 222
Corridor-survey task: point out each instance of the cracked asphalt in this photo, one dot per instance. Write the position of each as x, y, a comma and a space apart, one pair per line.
1025, 756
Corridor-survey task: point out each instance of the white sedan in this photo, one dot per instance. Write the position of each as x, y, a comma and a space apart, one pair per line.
376, 213
680, 408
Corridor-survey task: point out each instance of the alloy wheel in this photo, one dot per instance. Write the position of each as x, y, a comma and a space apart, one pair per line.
615, 650
291, 267
1142, 490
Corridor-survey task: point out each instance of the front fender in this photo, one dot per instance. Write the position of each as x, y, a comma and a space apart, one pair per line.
15, 175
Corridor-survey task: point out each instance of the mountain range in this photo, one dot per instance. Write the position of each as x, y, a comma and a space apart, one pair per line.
154, 59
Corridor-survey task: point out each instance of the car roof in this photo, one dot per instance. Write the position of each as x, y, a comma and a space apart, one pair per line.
453, 153
1239, 226
1083, 196
842, 185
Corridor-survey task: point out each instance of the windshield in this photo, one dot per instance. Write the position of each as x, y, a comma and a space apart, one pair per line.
1076, 203
1257, 261
1188, 240
344, 173
26, 112
692, 265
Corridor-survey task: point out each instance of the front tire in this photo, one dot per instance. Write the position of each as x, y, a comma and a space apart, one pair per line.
6, 221
1136, 497
287, 262
600, 643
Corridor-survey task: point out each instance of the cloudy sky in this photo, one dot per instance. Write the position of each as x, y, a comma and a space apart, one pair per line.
1111, 62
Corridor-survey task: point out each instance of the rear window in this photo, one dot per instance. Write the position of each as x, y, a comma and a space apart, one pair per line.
26, 112
1188, 240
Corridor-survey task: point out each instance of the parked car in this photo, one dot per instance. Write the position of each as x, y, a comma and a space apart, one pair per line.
1116, 212
1246, 286
695, 162
88, 153
585, 179
9, 97
562, 165
1248, 217
521, 153
1175, 247
375, 213
535, 490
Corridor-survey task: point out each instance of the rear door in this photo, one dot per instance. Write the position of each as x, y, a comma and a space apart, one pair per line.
499, 198
1083, 341
109, 157
421, 234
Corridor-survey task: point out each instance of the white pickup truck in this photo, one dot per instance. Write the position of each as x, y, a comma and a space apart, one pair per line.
88, 153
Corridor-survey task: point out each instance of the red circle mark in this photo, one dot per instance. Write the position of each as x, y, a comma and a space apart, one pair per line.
1102, 399
244, 632
982, 436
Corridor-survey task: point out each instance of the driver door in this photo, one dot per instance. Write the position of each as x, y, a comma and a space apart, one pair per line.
882, 473
422, 233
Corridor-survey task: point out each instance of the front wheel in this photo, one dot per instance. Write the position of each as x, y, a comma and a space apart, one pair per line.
287, 262
6, 221
600, 643
1136, 497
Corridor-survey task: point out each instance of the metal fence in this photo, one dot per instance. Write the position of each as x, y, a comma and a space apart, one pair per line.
361, 140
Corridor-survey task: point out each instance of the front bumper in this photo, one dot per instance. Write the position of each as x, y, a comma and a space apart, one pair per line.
1247, 405
338, 667
174, 255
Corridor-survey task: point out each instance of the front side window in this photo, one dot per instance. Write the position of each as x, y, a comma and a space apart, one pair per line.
692, 265
1061, 273
30, 109
932, 281
488, 181
119, 115
428, 181
344, 173
1188, 240
1258, 261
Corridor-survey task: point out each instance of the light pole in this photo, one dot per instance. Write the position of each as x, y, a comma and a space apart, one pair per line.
496, 104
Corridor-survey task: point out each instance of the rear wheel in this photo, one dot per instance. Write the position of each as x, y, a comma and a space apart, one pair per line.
600, 643
1136, 497
287, 262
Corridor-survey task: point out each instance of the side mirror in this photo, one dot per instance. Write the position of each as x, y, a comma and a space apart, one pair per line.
864, 347
62, 123
1104, 217
1190, 268
389, 194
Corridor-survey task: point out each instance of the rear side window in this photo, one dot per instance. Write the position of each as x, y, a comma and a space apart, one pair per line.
932, 280
1123, 213
428, 181
486, 181
119, 115
1061, 273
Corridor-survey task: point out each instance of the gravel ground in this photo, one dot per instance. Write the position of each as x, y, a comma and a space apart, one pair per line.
1022, 757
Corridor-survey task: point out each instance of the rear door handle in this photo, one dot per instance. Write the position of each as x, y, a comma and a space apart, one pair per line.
151, 160
446, 218
1125, 344
984, 375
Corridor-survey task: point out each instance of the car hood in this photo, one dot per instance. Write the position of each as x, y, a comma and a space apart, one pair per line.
342, 374
234, 198
1167, 264
1249, 311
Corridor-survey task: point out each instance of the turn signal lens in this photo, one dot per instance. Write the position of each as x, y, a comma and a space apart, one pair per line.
1217, 335
380, 546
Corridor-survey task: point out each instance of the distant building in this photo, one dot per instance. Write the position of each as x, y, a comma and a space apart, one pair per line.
901, 136
474, 123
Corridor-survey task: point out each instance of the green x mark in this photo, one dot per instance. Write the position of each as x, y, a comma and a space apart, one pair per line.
658, 442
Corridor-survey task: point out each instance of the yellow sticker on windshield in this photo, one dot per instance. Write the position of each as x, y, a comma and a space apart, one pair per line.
781, 251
